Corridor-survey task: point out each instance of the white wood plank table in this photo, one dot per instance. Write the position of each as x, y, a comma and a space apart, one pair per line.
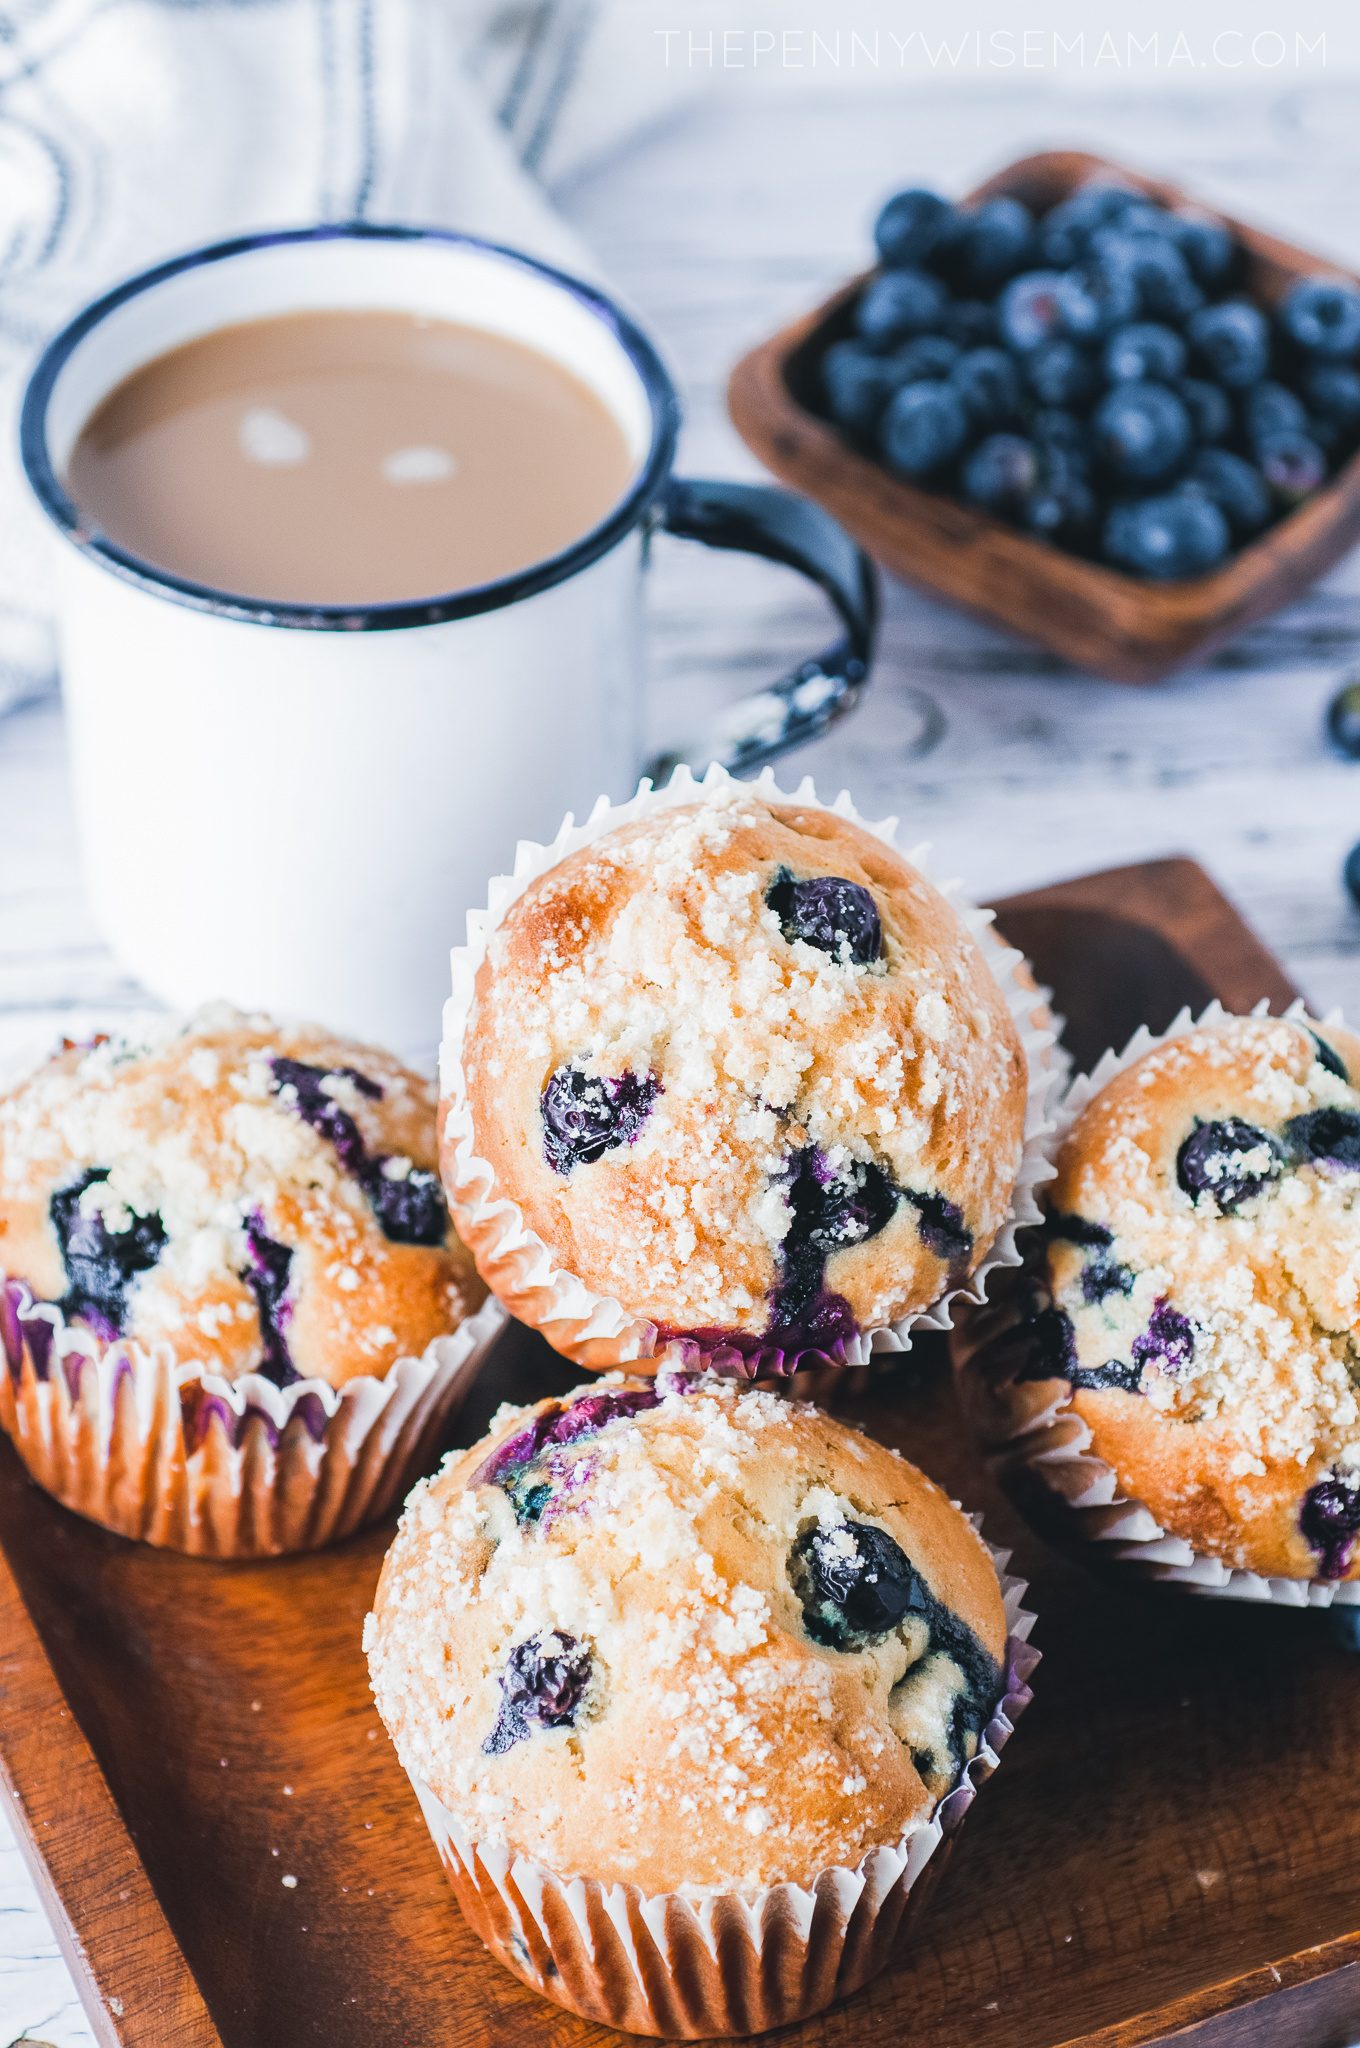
742, 210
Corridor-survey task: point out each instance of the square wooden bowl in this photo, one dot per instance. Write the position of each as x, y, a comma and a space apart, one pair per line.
1118, 625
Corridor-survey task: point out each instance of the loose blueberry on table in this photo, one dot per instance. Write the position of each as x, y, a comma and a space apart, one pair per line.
1097, 375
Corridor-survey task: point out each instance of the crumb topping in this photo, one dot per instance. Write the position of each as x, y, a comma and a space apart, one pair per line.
1271, 1288
717, 1743
654, 952
186, 1124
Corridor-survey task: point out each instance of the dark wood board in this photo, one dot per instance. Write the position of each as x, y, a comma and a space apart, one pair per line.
1121, 626
1166, 1853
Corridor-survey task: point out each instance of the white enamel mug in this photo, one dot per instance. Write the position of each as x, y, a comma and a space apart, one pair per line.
293, 806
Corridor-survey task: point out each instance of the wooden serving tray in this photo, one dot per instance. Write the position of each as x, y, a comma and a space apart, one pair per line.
1167, 1850
1099, 618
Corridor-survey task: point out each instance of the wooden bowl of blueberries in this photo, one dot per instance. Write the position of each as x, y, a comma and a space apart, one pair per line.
1081, 407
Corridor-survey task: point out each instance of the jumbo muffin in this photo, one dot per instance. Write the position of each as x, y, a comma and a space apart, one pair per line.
684, 1638
238, 1199
1198, 1291
747, 1079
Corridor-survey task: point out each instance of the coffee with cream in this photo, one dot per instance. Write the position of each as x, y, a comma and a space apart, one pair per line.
348, 458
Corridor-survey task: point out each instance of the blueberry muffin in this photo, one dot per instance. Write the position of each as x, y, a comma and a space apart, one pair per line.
1198, 1291
261, 1198
743, 1071
673, 1635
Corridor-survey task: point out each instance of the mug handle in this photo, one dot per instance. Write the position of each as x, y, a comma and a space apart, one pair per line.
757, 519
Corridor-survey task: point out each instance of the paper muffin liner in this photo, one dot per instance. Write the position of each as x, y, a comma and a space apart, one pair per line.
181, 1457
595, 1331
691, 1966
1031, 1432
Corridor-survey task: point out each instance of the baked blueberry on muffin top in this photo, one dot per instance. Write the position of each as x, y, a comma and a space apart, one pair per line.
262, 1197
743, 1070
1201, 1269
671, 1634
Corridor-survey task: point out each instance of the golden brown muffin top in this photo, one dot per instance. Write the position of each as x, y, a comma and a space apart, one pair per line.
685, 1637
1204, 1251
262, 1196
743, 1068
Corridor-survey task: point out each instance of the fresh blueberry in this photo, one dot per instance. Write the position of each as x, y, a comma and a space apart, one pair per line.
585, 1116
1066, 229
543, 1684
1062, 438
1208, 405
909, 227
930, 355
1142, 431
1292, 465
1329, 1521
1144, 350
971, 323
1333, 394
1168, 1341
1321, 315
1206, 244
1001, 474
1234, 341
923, 428
409, 1205
996, 242
1095, 299
1028, 310
1169, 538
836, 916
1329, 1058
986, 381
267, 1278
1329, 1137
1145, 217
899, 304
1062, 374
1213, 1161
1269, 409
1238, 490
855, 1582
858, 384
101, 1263
1350, 874
1063, 508
1155, 268
1343, 720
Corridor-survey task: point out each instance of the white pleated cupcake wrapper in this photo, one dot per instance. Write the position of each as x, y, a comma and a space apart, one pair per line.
1056, 1443
595, 1330
693, 1966
177, 1455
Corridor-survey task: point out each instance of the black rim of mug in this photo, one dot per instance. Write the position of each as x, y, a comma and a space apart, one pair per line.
642, 495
